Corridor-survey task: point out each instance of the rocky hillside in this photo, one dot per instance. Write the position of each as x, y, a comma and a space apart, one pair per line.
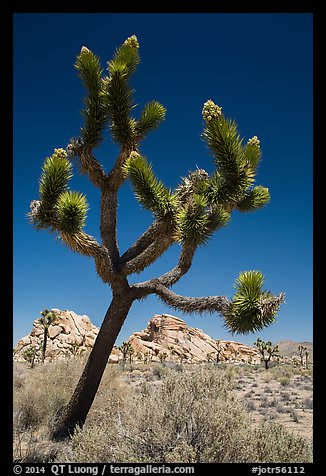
289, 348
165, 337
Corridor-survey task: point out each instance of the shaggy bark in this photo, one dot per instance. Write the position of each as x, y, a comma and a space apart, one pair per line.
75, 412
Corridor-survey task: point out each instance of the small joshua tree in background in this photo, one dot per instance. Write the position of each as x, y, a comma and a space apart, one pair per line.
28, 355
302, 350
46, 320
209, 357
126, 349
267, 350
219, 351
171, 350
131, 352
306, 354
148, 357
162, 357
189, 215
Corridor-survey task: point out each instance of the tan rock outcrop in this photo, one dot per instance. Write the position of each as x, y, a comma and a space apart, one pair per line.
71, 334
168, 334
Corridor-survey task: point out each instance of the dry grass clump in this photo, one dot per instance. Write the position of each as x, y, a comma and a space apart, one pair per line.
38, 394
189, 415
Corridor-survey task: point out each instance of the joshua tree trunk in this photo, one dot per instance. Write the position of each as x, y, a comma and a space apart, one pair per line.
33, 358
45, 338
266, 364
75, 412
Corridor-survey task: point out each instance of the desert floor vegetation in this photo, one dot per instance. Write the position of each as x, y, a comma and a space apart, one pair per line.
168, 412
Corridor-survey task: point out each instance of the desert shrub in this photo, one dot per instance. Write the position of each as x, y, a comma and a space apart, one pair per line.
294, 415
284, 381
268, 390
271, 443
286, 397
308, 403
186, 417
190, 415
45, 390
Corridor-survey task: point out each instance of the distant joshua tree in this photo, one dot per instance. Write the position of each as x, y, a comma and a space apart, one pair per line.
209, 357
127, 350
29, 354
302, 353
201, 204
267, 350
219, 351
171, 350
306, 358
46, 320
148, 357
162, 357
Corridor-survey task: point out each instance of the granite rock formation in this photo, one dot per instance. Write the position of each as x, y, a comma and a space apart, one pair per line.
166, 337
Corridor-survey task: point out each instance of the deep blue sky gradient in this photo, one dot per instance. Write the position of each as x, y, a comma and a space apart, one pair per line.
258, 67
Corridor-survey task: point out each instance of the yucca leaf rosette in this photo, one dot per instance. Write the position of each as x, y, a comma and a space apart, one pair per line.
150, 192
56, 173
71, 210
251, 308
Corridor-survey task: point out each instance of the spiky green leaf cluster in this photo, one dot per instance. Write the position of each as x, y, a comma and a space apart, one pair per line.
58, 207
224, 140
71, 210
56, 172
90, 71
119, 94
245, 313
193, 221
150, 192
252, 152
231, 183
196, 221
198, 216
125, 59
254, 199
151, 117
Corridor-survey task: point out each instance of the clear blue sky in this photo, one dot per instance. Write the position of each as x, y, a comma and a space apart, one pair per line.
258, 67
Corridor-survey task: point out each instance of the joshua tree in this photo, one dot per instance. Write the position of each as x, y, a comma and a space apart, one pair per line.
267, 350
162, 357
126, 349
307, 358
188, 215
139, 356
219, 350
148, 357
131, 352
171, 350
47, 318
209, 357
29, 355
302, 350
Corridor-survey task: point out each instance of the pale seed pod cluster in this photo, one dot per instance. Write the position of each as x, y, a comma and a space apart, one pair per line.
211, 110
132, 41
254, 141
